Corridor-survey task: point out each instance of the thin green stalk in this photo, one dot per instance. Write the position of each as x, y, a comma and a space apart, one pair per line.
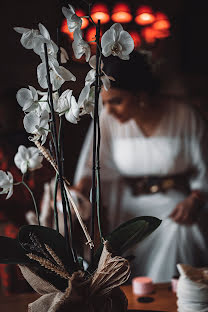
34, 202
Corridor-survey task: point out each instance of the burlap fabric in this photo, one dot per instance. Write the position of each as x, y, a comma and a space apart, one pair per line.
100, 292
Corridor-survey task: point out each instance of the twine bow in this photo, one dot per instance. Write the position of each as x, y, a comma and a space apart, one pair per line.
93, 294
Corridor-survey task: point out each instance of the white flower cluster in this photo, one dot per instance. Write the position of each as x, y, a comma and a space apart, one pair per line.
115, 41
35, 103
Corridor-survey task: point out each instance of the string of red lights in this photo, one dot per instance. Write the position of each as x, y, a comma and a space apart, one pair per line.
152, 25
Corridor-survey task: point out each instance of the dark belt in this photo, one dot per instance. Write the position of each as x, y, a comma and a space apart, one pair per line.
155, 184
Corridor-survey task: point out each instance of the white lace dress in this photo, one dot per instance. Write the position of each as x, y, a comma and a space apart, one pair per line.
177, 146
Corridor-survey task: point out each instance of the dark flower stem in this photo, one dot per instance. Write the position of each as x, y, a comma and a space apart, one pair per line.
55, 203
95, 151
54, 131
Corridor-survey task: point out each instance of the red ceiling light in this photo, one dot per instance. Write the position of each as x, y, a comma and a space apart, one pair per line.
90, 35
161, 21
100, 12
121, 13
161, 34
149, 34
136, 38
144, 16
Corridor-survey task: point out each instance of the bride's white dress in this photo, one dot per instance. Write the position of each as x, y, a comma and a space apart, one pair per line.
178, 145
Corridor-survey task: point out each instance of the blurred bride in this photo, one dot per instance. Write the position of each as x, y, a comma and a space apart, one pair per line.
153, 163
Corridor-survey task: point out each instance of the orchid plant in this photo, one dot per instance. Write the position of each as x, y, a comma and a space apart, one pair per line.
37, 104
42, 109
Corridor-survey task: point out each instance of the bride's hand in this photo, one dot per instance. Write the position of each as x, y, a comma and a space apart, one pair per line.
187, 211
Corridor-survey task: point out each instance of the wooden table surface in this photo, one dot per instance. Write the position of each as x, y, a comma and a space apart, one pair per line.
164, 300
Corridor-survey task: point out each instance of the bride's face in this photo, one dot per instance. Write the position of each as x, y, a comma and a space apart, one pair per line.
121, 104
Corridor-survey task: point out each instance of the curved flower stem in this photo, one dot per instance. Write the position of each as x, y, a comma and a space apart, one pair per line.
33, 198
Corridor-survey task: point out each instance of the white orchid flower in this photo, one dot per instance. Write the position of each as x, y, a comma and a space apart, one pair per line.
80, 46
6, 183
28, 159
44, 37
44, 100
37, 124
27, 99
117, 42
28, 36
73, 21
86, 101
58, 75
67, 105
90, 77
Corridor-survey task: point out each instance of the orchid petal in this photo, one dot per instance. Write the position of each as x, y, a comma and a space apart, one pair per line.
21, 30
106, 82
92, 61
70, 117
44, 32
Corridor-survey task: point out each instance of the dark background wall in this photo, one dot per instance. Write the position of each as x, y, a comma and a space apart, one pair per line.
185, 52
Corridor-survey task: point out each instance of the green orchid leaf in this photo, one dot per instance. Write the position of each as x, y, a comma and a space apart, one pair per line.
11, 251
132, 232
127, 235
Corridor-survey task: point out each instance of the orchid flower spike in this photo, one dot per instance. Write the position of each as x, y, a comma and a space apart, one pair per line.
6, 183
73, 21
28, 159
117, 42
80, 46
28, 35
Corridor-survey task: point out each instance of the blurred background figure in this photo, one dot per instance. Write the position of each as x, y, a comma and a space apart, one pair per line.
153, 162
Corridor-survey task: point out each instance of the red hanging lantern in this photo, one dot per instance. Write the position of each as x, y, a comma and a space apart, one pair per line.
100, 12
136, 37
161, 21
144, 16
121, 13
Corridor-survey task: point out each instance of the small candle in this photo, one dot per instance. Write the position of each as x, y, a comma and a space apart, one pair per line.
142, 285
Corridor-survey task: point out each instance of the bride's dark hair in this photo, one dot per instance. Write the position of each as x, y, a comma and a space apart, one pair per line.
134, 74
